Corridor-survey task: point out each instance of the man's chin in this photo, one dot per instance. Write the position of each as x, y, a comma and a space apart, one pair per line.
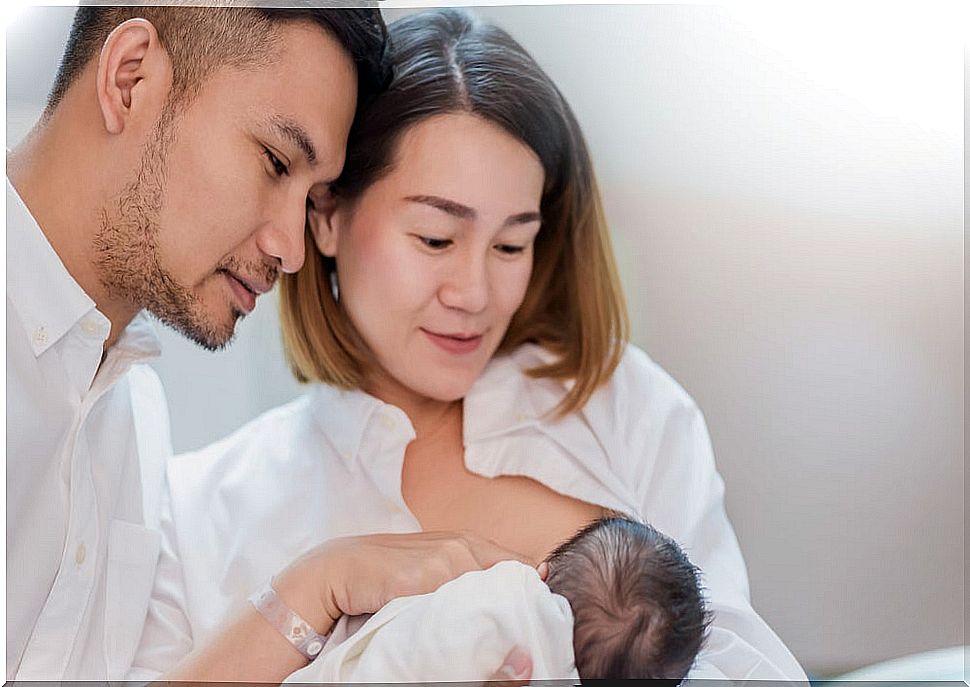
210, 335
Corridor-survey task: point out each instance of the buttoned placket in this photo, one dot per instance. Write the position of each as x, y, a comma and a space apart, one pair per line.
87, 338
394, 434
58, 624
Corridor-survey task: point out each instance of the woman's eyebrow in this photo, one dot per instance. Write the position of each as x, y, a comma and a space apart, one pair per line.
466, 213
523, 218
448, 206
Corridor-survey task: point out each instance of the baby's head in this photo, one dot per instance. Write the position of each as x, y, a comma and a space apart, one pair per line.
636, 600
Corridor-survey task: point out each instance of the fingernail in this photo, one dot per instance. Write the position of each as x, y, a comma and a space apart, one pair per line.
516, 664
543, 570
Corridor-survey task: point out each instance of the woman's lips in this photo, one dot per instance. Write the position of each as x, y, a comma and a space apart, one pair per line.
454, 343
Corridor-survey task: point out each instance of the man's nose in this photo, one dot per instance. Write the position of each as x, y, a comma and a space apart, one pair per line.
282, 237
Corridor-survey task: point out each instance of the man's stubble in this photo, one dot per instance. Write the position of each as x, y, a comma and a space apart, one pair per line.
128, 259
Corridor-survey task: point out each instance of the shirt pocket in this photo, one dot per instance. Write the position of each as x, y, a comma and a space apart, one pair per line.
132, 558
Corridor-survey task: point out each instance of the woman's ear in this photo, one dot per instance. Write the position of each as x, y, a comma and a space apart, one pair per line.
134, 75
325, 218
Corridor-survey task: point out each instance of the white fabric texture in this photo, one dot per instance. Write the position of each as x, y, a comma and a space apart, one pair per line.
329, 465
86, 447
461, 632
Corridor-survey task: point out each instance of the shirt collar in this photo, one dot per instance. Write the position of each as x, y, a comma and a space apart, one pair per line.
44, 294
501, 400
48, 299
139, 340
345, 414
504, 398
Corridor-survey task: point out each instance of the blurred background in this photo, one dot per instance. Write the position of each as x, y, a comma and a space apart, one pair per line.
784, 188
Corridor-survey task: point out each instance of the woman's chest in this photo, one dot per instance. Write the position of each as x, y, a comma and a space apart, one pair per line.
517, 512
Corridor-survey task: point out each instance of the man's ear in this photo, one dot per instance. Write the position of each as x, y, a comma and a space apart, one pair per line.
325, 218
134, 74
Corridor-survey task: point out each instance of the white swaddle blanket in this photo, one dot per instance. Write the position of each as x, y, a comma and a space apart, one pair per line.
461, 632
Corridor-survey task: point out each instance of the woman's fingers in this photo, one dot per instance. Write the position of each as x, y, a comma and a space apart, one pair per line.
374, 569
487, 553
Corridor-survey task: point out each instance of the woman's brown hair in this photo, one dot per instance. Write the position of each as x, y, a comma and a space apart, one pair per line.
446, 61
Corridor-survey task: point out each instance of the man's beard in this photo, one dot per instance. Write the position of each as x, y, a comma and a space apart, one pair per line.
127, 253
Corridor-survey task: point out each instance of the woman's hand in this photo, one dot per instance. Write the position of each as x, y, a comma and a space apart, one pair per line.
350, 575
355, 575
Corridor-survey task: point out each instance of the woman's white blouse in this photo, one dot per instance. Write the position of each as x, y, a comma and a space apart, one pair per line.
329, 465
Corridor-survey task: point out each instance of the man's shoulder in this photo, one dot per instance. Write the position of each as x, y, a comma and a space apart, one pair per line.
266, 438
144, 382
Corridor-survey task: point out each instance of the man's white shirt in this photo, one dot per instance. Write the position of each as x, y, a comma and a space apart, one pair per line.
86, 441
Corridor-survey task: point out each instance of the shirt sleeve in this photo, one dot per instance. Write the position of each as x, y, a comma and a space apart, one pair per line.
167, 635
681, 493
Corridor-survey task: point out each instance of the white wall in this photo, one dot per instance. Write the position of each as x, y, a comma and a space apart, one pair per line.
786, 200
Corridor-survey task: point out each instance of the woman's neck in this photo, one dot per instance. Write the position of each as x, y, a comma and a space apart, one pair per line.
428, 416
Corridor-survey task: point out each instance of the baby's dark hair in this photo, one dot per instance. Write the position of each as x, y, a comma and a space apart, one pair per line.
636, 599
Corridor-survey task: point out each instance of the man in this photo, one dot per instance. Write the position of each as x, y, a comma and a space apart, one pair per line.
169, 173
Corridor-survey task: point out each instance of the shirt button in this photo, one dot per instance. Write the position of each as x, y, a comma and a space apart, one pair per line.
89, 327
40, 336
80, 553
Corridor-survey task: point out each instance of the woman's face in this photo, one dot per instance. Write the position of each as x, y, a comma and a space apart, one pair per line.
434, 259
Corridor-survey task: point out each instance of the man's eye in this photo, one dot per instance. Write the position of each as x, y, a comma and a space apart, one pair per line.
433, 243
280, 168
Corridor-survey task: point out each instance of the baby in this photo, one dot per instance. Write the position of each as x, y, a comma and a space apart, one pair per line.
621, 600
635, 598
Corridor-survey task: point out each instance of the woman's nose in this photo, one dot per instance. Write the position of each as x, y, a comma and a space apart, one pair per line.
466, 285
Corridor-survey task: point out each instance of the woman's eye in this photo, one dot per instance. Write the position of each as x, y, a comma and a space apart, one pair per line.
509, 249
281, 169
433, 243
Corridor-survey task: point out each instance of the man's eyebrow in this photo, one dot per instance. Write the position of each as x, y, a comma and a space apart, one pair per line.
466, 213
296, 135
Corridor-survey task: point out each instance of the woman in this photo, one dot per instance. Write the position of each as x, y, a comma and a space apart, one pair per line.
463, 314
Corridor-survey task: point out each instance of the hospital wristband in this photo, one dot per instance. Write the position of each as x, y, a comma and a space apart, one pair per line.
294, 629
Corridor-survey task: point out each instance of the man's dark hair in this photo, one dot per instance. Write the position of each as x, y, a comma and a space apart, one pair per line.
200, 39
636, 600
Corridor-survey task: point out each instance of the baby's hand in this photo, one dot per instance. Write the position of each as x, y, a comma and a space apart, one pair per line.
517, 669
515, 672
543, 570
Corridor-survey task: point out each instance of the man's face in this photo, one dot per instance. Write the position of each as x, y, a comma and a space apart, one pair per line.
218, 207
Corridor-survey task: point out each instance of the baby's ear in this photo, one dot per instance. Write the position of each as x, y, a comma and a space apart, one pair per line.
323, 218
